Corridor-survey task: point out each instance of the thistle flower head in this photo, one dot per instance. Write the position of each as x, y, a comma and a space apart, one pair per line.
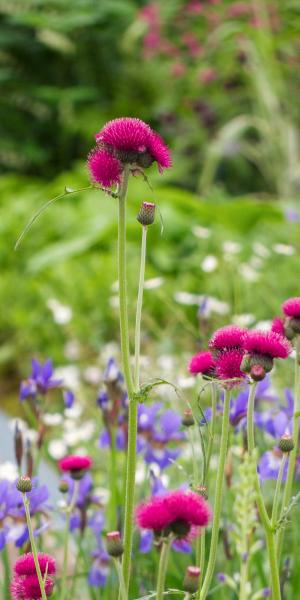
28, 588
24, 565
291, 307
227, 338
278, 326
228, 367
266, 343
177, 510
76, 465
126, 141
203, 362
104, 168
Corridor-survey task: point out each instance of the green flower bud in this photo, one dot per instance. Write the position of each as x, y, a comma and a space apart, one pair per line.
24, 484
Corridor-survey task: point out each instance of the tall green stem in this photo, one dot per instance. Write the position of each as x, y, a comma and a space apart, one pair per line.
243, 595
269, 531
33, 547
69, 510
293, 455
139, 309
132, 402
218, 499
276, 500
6, 572
123, 590
162, 569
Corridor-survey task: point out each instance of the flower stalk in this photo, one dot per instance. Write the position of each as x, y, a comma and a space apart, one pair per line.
293, 455
132, 402
218, 500
139, 309
266, 522
33, 546
162, 568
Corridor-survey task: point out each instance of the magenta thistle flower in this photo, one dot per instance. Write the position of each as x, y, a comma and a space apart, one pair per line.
278, 326
104, 168
291, 307
266, 343
24, 565
28, 588
203, 362
75, 463
178, 511
227, 338
228, 367
126, 141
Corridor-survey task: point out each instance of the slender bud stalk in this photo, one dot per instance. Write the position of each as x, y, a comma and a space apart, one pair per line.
33, 546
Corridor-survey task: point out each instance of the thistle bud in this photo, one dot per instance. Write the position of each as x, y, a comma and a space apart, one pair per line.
191, 580
146, 214
286, 443
257, 372
63, 486
18, 441
114, 544
24, 484
188, 419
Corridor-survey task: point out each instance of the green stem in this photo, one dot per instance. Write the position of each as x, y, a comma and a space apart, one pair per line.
122, 586
33, 546
66, 540
278, 491
293, 455
113, 483
139, 309
212, 429
269, 531
162, 568
243, 595
187, 596
6, 571
218, 500
132, 405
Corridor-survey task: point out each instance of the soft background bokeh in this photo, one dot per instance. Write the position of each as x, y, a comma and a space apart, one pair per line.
219, 80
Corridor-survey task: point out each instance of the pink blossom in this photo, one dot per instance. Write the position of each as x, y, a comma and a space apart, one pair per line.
131, 141
178, 69
291, 307
203, 362
278, 326
227, 338
104, 168
160, 512
75, 463
228, 367
24, 565
266, 343
28, 588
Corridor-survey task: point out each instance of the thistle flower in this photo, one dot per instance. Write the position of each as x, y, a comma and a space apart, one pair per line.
75, 465
24, 565
266, 343
104, 168
28, 588
203, 363
291, 307
227, 338
126, 141
278, 326
25, 584
228, 367
175, 511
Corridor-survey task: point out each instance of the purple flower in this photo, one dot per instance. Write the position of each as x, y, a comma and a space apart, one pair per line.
40, 381
12, 513
269, 464
68, 398
99, 571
